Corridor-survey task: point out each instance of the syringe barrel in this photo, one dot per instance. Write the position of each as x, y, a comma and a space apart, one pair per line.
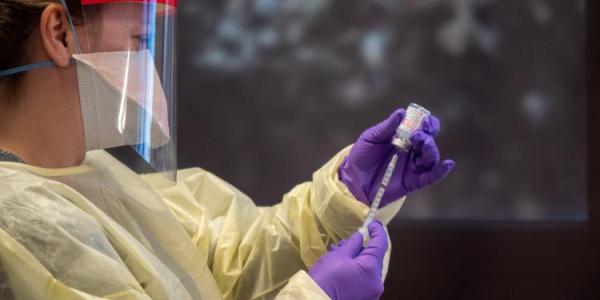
377, 201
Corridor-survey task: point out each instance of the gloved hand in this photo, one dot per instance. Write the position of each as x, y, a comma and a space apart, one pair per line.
365, 166
349, 272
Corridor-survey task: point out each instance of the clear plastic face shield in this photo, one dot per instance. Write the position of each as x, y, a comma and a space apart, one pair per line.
126, 74
125, 62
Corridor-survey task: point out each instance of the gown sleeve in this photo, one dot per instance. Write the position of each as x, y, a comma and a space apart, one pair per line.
253, 252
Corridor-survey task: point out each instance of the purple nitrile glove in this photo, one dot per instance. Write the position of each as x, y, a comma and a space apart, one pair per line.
349, 271
364, 167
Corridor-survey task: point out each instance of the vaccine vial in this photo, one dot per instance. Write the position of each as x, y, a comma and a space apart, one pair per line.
413, 120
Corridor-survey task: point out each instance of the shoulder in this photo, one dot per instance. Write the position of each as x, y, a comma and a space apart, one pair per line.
14, 180
40, 213
29, 198
192, 179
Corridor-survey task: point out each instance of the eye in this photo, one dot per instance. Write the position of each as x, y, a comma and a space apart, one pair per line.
142, 38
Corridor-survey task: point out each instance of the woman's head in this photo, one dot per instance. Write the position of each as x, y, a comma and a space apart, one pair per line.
41, 116
32, 29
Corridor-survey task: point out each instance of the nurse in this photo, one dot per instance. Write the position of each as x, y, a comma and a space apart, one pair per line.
81, 76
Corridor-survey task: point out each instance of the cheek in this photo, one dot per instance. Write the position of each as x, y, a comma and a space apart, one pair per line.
76, 126
74, 87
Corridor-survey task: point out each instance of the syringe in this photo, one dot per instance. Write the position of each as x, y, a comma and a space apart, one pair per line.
413, 120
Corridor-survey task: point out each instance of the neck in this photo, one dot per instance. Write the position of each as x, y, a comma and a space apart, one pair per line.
41, 125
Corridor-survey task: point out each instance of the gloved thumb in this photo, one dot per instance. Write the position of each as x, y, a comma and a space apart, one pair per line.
385, 130
378, 244
353, 245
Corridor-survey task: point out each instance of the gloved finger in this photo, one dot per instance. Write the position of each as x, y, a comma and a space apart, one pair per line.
353, 245
439, 172
378, 244
431, 126
385, 130
417, 139
429, 156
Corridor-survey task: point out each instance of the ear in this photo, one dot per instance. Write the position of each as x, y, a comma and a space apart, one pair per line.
56, 34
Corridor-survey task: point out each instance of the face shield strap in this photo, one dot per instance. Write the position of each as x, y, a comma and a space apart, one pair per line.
64, 3
48, 63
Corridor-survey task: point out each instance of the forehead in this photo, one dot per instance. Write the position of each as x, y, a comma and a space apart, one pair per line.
130, 9
121, 26
121, 17
122, 13
172, 3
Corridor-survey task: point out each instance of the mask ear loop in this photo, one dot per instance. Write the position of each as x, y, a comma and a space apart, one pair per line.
34, 66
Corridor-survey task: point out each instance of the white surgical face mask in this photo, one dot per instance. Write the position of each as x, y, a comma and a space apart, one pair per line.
122, 100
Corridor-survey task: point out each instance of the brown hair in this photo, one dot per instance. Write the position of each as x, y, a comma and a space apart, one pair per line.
18, 20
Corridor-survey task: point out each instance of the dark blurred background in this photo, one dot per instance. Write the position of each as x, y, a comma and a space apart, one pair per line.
269, 90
